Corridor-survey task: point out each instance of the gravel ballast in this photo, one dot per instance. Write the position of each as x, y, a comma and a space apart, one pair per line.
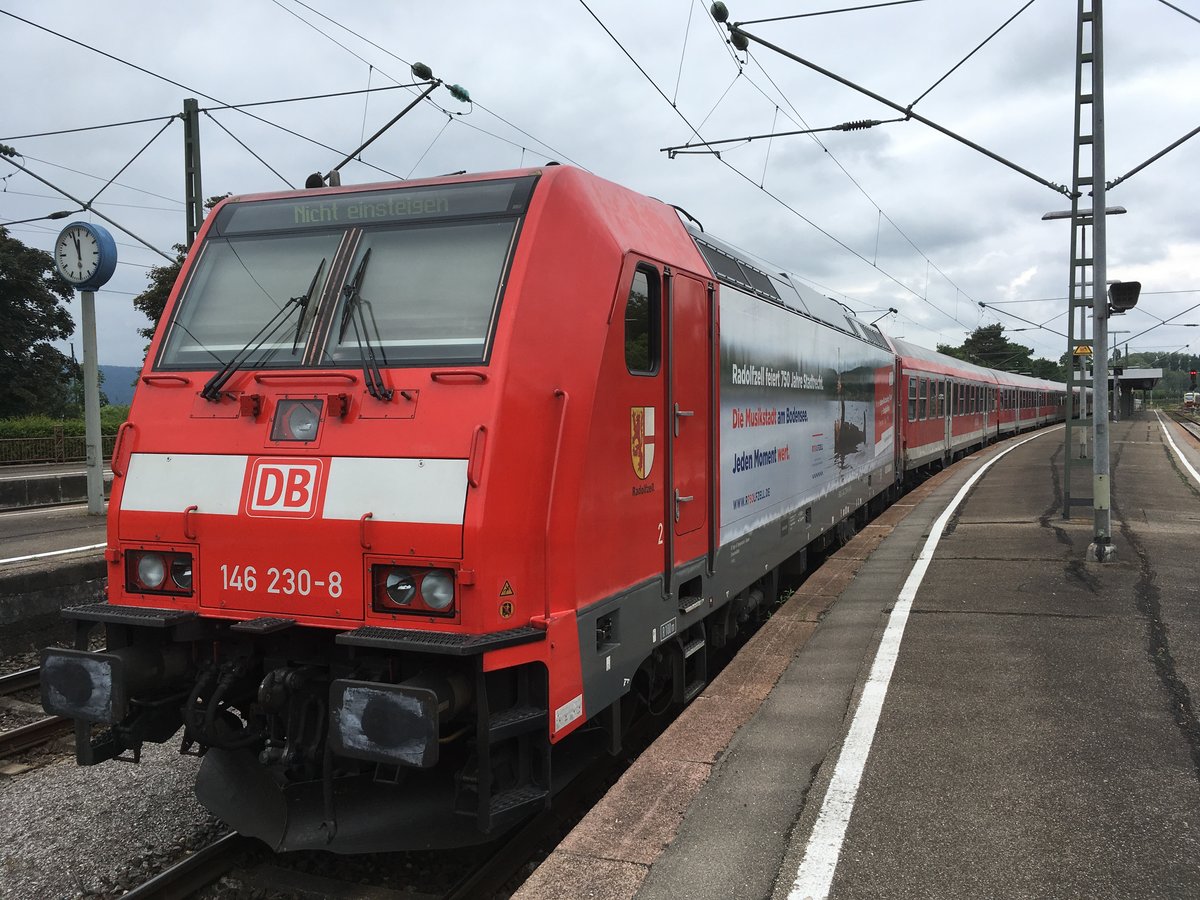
70, 831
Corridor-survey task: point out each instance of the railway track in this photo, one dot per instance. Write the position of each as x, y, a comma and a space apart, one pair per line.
1189, 423
255, 869
26, 737
21, 680
196, 871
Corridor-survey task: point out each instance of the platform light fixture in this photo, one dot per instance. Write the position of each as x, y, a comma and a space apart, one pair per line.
1123, 296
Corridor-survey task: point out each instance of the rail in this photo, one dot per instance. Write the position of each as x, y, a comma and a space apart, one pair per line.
56, 448
195, 871
1188, 422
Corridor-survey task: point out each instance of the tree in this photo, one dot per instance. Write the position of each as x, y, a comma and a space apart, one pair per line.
987, 346
38, 378
152, 301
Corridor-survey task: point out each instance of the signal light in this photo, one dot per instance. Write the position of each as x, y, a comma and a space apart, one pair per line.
1123, 295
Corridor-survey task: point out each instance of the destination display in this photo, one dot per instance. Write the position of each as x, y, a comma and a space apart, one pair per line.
503, 197
803, 410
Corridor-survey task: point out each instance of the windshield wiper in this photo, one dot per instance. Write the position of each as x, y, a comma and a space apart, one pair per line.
212, 388
352, 315
304, 303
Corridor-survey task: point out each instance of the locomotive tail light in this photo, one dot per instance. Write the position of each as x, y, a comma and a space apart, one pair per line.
297, 420
181, 572
409, 589
158, 572
82, 685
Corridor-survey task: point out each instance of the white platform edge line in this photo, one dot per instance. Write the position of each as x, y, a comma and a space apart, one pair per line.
32, 556
815, 874
1178, 453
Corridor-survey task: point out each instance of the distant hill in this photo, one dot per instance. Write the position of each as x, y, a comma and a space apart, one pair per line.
118, 383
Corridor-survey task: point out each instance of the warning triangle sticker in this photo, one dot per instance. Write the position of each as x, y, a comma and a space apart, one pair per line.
507, 590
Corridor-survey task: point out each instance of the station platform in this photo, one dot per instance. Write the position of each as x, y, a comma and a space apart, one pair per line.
29, 486
957, 704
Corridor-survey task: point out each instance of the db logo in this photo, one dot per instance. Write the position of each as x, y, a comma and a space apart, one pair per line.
283, 487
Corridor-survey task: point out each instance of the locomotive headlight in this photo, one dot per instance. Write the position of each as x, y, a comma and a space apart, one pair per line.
296, 420
437, 589
412, 589
302, 423
400, 587
151, 570
158, 572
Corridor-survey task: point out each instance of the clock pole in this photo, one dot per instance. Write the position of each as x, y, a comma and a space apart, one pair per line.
91, 407
85, 255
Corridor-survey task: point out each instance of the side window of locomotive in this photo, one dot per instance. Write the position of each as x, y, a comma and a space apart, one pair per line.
642, 315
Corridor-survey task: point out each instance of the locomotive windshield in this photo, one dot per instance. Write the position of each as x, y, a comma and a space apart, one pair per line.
438, 257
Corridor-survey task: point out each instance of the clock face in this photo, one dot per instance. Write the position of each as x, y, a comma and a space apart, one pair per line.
77, 254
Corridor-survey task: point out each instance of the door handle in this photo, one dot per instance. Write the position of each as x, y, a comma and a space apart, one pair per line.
679, 414
679, 498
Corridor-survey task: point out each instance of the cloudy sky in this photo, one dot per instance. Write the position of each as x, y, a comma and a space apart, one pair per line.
895, 216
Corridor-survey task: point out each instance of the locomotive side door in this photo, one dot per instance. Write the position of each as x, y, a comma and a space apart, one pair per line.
688, 416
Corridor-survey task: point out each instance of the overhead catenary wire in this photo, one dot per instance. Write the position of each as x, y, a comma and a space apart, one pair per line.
128, 187
747, 178
106, 202
83, 204
177, 84
833, 157
242, 143
957, 65
121, 171
553, 152
829, 12
1180, 11
687, 30
1057, 188
236, 106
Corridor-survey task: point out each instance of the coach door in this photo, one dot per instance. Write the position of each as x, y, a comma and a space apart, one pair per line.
688, 416
946, 410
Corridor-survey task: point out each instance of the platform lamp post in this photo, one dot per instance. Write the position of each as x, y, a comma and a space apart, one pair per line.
85, 255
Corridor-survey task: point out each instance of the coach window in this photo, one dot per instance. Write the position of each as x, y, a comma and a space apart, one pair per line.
923, 399
912, 399
941, 399
641, 324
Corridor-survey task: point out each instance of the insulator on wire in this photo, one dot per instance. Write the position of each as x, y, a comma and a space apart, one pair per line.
857, 125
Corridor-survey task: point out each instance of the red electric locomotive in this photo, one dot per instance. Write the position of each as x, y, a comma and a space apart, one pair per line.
425, 483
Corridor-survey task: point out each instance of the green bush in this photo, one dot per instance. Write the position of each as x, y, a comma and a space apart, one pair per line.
111, 418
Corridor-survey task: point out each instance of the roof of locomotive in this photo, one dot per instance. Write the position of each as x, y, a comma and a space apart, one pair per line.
739, 269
